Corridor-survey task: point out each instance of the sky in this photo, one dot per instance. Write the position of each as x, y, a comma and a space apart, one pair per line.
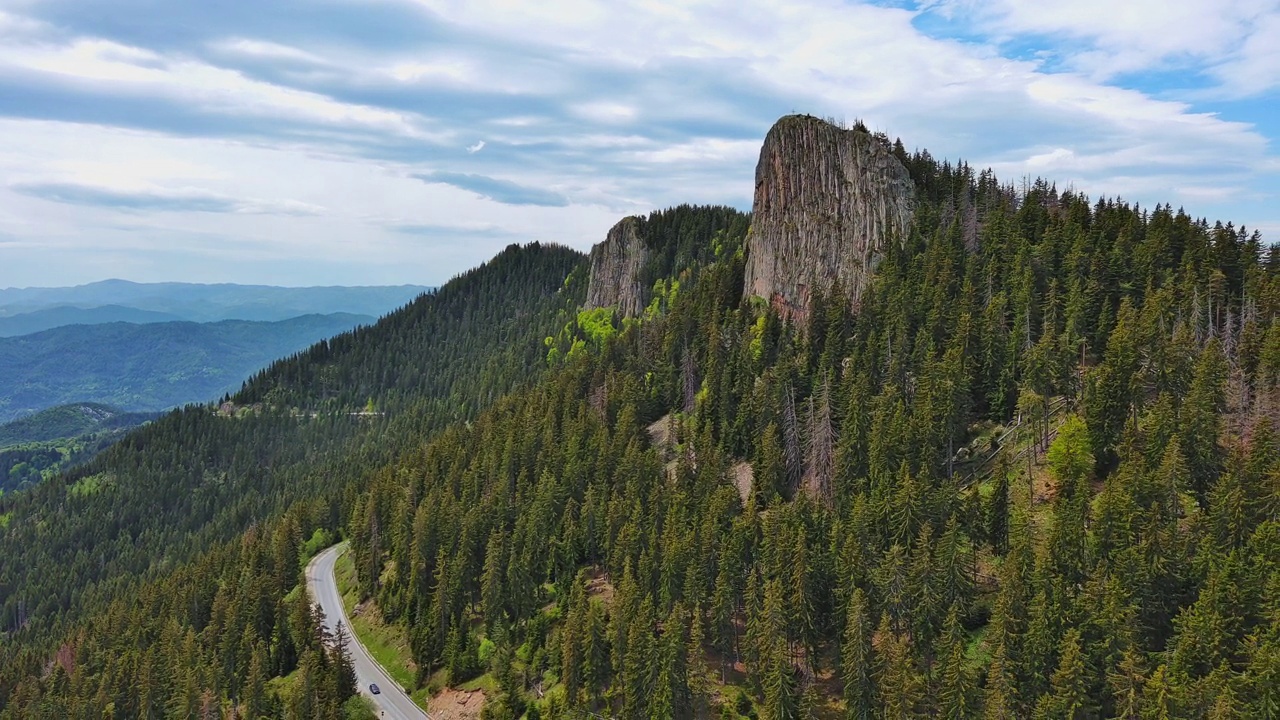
404, 141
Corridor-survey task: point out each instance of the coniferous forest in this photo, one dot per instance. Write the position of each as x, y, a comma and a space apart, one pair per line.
1034, 473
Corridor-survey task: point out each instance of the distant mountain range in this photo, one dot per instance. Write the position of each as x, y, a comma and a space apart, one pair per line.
28, 310
32, 322
151, 366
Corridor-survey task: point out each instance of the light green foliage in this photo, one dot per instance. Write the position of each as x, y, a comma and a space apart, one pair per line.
319, 540
597, 325
90, 485
1070, 454
485, 651
359, 707
591, 329
756, 343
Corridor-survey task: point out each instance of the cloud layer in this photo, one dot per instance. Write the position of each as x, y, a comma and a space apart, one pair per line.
406, 140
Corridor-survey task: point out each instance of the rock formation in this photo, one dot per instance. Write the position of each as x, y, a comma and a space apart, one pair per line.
616, 265
827, 203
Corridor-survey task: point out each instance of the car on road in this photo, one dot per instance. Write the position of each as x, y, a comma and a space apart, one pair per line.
373, 688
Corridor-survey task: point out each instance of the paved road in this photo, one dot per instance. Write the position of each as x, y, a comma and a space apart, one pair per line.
392, 702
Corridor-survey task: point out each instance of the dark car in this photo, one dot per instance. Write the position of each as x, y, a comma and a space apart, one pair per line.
373, 688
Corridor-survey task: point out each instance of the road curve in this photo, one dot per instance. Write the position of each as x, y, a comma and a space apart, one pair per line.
392, 703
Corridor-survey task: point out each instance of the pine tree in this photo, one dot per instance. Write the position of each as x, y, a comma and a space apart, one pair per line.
672, 698
857, 661
1068, 694
255, 696
695, 654
954, 691
1126, 684
1001, 697
492, 590
1158, 697
639, 665
344, 671
571, 642
997, 510
902, 690
595, 674
777, 673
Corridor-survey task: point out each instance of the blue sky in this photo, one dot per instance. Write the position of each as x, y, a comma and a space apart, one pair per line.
403, 141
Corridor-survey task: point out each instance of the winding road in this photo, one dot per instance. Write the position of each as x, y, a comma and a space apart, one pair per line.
392, 703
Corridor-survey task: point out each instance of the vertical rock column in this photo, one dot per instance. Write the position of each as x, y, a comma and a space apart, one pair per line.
827, 203
616, 265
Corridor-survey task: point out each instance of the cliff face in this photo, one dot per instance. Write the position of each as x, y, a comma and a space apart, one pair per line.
827, 202
616, 265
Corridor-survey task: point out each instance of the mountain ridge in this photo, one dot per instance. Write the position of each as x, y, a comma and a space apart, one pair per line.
211, 302
152, 366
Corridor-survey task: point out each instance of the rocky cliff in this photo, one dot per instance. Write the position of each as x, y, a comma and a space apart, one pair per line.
616, 266
827, 202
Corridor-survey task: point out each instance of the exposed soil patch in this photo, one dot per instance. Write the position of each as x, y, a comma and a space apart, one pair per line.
599, 586
742, 477
453, 704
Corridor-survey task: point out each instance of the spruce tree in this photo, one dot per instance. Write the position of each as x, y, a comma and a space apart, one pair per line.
857, 660
1068, 696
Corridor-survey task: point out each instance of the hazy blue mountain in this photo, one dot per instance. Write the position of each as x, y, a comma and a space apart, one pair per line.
207, 303
148, 367
32, 322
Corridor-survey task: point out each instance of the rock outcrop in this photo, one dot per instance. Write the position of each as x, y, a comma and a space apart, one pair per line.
616, 266
827, 202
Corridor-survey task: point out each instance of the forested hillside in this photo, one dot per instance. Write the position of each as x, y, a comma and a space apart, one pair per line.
158, 521
1117, 559
1032, 473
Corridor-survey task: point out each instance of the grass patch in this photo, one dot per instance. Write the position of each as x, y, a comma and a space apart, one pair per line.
5, 518
387, 643
486, 682
283, 686
977, 653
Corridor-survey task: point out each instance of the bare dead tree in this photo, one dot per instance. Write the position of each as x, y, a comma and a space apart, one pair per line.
821, 442
689, 378
791, 438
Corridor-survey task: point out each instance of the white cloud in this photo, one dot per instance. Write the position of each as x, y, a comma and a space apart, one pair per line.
604, 111
248, 47
137, 71
1234, 40
620, 107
